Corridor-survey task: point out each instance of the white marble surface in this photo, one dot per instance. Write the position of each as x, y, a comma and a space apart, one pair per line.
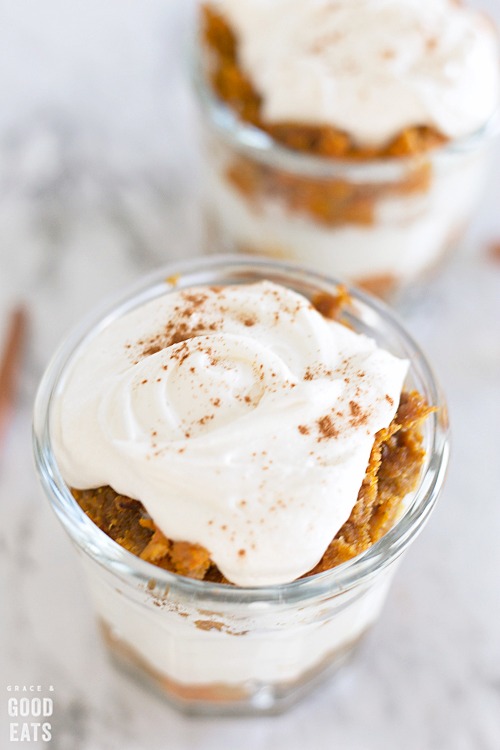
97, 184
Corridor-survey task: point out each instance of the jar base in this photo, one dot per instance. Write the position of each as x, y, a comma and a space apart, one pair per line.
250, 698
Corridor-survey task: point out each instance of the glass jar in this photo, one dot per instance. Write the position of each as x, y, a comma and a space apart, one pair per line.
213, 647
382, 224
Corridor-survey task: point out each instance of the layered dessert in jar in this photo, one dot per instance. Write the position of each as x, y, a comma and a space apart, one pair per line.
348, 136
241, 469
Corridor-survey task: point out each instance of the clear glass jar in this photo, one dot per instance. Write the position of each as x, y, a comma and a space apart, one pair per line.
382, 224
218, 648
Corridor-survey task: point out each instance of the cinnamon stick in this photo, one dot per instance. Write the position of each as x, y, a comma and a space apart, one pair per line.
10, 365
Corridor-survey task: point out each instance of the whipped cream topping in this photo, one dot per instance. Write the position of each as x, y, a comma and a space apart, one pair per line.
369, 67
240, 417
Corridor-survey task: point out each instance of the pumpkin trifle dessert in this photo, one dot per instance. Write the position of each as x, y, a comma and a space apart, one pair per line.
350, 136
256, 454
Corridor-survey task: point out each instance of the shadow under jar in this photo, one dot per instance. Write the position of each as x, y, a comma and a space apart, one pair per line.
383, 222
216, 648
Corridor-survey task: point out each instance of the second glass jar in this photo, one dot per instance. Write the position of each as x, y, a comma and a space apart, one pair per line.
382, 224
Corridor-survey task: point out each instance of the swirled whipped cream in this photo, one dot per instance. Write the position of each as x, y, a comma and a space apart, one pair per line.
239, 416
369, 67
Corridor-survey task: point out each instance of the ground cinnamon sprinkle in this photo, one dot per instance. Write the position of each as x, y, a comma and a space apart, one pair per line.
327, 428
358, 417
185, 324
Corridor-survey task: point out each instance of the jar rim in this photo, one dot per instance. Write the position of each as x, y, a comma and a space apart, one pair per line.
260, 146
227, 269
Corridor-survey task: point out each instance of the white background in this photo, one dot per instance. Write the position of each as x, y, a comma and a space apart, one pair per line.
98, 182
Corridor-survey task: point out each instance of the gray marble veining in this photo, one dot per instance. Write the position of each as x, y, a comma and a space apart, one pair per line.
98, 183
